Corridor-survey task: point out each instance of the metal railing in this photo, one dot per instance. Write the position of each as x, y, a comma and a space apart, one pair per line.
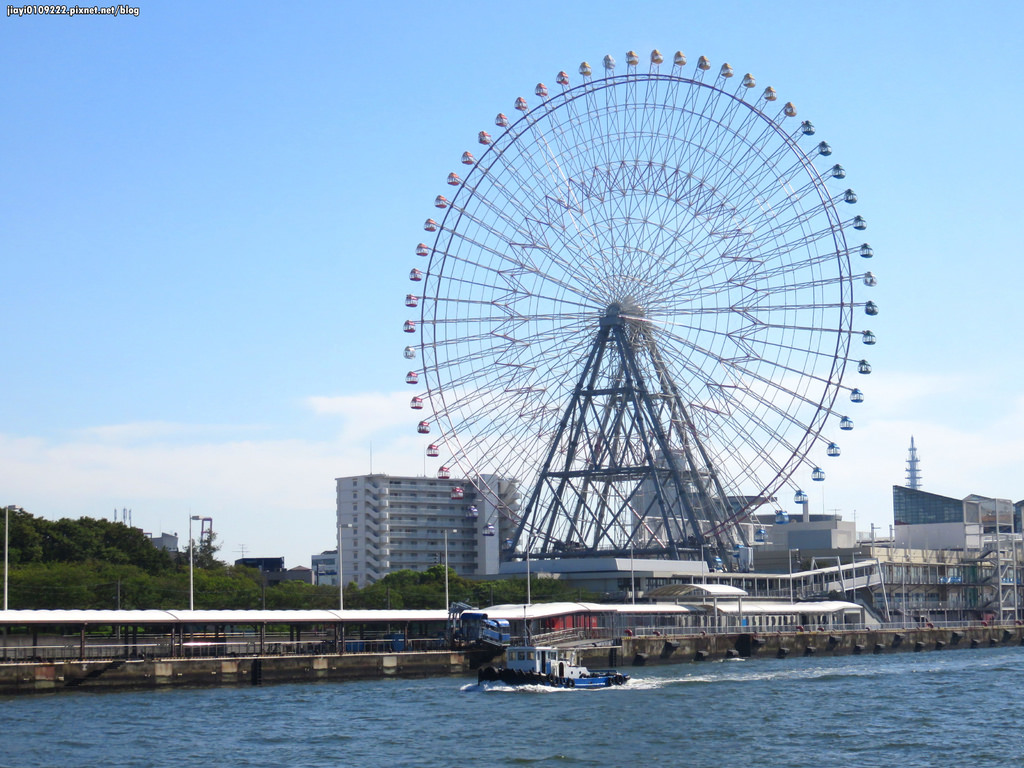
157, 647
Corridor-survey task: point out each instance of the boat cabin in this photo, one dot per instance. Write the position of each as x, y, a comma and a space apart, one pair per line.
543, 660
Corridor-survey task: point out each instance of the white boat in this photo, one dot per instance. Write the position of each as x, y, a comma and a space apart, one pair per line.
545, 665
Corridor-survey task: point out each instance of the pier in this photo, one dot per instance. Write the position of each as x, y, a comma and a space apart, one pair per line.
49, 651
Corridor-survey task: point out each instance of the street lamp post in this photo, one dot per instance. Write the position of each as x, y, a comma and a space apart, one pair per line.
7, 541
341, 577
191, 565
447, 603
632, 575
790, 558
191, 555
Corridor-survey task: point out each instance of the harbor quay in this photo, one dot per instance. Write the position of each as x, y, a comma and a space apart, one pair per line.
652, 650
133, 673
149, 674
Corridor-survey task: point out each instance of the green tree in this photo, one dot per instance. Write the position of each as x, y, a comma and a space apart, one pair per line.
206, 552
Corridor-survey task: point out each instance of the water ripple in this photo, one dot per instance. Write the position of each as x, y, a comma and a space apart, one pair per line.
954, 707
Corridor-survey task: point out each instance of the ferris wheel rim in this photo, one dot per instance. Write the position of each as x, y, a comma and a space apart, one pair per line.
437, 388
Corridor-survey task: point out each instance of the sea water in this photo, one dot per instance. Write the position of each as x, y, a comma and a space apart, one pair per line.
951, 707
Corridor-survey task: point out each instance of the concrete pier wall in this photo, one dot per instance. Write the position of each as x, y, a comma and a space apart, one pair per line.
641, 651
148, 674
118, 674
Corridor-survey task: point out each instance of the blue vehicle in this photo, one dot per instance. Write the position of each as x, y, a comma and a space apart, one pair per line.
477, 629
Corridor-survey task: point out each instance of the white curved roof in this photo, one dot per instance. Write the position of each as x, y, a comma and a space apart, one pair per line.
215, 617
771, 606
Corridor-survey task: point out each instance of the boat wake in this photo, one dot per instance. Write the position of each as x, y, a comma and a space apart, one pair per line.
499, 687
723, 673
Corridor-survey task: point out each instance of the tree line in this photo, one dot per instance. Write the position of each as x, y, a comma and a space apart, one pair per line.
90, 563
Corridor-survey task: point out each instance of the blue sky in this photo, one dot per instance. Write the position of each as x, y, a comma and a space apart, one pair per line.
209, 213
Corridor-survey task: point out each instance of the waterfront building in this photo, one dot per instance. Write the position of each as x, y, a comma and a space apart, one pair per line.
325, 568
274, 572
389, 523
165, 541
946, 559
817, 532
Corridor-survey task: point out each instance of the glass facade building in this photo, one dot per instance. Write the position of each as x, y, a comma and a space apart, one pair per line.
913, 507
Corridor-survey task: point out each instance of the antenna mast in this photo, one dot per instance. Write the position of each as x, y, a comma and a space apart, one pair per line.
913, 467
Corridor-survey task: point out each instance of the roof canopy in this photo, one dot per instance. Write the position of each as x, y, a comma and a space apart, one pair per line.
684, 590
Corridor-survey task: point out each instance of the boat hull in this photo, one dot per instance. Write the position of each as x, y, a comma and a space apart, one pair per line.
515, 678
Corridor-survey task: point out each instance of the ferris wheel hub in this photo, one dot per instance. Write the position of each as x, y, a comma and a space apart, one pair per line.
621, 311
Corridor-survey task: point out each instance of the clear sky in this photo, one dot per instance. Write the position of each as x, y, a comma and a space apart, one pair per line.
209, 213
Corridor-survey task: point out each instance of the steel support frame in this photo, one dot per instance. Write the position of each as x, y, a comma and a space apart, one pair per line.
581, 496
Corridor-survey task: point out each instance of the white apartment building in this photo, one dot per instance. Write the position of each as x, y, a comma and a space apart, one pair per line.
389, 523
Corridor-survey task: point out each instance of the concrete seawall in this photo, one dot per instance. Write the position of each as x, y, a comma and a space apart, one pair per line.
146, 674
640, 651
42, 677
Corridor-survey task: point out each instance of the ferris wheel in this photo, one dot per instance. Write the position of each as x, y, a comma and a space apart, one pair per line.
635, 297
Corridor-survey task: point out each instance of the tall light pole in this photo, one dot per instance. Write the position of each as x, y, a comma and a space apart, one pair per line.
341, 577
191, 555
529, 596
790, 558
447, 603
632, 575
191, 565
7, 541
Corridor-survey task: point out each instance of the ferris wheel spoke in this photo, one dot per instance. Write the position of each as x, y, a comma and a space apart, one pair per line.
741, 372
520, 241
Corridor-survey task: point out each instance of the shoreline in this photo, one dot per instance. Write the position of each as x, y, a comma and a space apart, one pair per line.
22, 678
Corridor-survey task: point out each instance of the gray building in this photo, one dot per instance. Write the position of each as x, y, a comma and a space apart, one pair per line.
325, 568
389, 523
